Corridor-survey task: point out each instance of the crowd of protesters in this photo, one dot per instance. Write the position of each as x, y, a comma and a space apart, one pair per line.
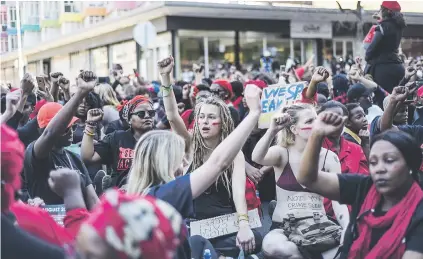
135, 163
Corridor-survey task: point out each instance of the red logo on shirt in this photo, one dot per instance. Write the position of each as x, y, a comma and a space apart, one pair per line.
125, 159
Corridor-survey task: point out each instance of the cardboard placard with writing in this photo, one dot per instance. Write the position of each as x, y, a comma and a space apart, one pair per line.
276, 97
222, 225
58, 212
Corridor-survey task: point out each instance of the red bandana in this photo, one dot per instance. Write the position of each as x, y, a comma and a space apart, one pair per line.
390, 245
138, 227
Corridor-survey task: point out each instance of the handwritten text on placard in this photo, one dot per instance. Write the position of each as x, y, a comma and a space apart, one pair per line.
274, 98
222, 225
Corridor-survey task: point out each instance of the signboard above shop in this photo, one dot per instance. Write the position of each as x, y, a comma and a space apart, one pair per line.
311, 30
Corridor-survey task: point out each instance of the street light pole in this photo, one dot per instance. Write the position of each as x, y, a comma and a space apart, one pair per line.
18, 25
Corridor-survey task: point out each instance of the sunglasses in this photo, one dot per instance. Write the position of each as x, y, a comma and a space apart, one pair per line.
142, 114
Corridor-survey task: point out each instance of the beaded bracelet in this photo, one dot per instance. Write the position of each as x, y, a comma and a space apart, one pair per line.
91, 123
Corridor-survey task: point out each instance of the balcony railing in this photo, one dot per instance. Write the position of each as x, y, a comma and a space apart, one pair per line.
31, 27
71, 17
49, 23
95, 11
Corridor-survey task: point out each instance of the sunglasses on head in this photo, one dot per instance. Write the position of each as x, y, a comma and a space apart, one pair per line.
142, 114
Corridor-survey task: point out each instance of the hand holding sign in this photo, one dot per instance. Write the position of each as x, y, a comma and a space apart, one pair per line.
279, 121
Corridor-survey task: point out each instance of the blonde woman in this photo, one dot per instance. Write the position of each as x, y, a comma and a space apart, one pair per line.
159, 154
212, 124
108, 96
292, 127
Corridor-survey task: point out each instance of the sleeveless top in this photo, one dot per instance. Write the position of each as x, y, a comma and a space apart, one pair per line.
296, 200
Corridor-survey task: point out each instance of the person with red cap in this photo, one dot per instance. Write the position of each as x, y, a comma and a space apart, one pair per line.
223, 89
383, 62
48, 151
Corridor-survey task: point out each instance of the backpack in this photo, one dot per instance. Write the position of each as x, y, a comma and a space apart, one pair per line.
313, 234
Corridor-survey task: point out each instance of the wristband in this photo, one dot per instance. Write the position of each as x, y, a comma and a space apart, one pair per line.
166, 90
89, 133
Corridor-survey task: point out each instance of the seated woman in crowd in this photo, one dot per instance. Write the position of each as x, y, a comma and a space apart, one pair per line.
294, 202
213, 124
117, 148
387, 206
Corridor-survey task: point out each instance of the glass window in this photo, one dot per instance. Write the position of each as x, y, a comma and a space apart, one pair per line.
279, 48
350, 49
191, 51
125, 55
221, 49
327, 53
297, 50
339, 49
251, 45
100, 61
412, 47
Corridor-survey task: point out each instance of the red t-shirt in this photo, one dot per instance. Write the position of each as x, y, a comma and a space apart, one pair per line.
304, 98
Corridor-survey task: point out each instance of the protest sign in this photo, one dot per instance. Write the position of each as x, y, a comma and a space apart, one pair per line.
276, 97
222, 225
58, 212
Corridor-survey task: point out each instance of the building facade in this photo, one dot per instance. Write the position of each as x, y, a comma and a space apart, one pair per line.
96, 35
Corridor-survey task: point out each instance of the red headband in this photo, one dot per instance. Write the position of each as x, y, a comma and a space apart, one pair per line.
138, 226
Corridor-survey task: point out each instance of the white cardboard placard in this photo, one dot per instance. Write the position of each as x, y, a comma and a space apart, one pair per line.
222, 225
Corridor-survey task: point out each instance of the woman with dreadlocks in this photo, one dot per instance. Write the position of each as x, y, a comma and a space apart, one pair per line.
212, 124
117, 148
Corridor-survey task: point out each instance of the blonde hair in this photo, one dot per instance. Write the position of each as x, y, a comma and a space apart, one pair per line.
200, 148
158, 154
285, 137
107, 94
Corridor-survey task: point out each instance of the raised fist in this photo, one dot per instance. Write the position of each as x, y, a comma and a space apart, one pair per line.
166, 65
320, 75
63, 180
27, 84
252, 95
94, 115
399, 94
328, 123
64, 83
55, 77
279, 121
12, 101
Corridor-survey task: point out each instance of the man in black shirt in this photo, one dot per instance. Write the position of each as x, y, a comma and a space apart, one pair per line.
47, 152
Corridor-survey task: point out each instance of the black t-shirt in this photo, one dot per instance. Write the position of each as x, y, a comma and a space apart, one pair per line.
353, 190
117, 150
415, 131
37, 172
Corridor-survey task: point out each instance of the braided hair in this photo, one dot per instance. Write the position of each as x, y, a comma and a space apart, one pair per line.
200, 148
